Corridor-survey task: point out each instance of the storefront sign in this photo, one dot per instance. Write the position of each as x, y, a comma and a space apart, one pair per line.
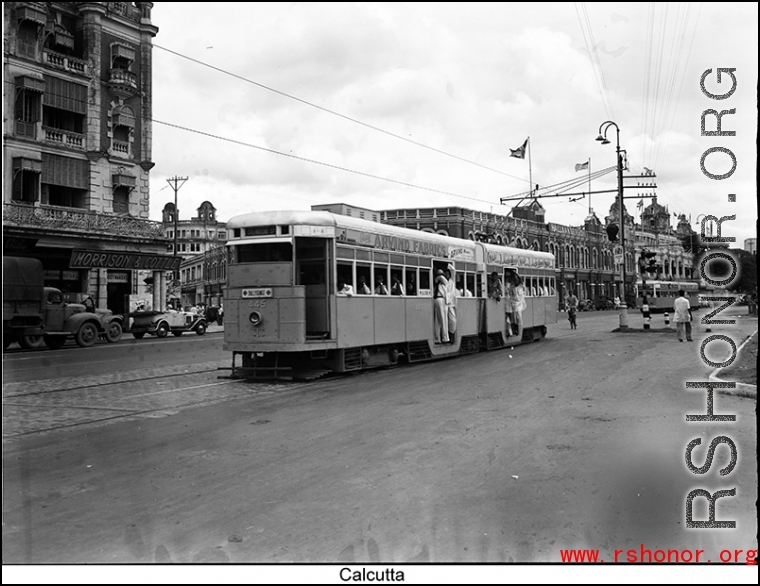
114, 277
98, 259
70, 275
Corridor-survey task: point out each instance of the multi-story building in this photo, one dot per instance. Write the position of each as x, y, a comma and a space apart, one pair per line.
77, 147
200, 242
656, 234
196, 235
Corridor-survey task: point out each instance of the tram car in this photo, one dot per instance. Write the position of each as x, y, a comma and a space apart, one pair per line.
660, 295
314, 292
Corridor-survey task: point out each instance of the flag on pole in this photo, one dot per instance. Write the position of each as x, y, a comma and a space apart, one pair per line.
640, 204
581, 166
519, 153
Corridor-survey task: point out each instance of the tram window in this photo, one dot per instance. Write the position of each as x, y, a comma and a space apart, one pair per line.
380, 283
363, 279
265, 252
479, 285
345, 273
411, 282
397, 281
470, 283
311, 273
425, 282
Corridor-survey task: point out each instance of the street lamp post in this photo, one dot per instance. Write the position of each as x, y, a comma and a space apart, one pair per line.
603, 139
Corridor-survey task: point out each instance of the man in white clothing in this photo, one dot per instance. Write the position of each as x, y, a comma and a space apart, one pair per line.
682, 316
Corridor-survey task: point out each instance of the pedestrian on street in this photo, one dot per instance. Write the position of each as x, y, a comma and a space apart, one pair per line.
571, 305
682, 316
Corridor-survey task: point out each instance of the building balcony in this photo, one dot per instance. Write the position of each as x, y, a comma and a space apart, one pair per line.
65, 62
66, 138
78, 222
120, 148
122, 82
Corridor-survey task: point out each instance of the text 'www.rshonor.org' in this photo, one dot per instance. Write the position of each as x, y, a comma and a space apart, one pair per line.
643, 555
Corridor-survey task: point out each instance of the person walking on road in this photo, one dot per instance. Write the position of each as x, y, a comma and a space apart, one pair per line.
571, 305
682, 316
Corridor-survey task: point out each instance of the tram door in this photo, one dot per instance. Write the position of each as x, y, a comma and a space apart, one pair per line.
312, 272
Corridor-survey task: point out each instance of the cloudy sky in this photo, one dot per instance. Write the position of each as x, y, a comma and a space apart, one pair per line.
280, 106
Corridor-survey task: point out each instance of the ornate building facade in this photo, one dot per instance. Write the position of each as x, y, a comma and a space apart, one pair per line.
656, 234
200, 243
77, 147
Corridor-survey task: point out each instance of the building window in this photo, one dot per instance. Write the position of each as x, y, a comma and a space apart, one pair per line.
121, 200
122, 57
64, 109
122, 126
26, 180
65, 181
28, 105
27, 39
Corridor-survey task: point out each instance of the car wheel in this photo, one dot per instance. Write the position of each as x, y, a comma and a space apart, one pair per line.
138, 335
54, 342
87, 335
178, 333
31, 342
113, 332
163, 330
200, 329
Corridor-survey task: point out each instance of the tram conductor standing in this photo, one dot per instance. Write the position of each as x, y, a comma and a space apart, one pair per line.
440, 317
451, 301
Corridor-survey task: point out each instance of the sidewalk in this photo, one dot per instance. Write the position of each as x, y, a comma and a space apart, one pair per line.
214, 327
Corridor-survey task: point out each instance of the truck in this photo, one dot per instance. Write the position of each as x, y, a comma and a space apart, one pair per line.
34, 315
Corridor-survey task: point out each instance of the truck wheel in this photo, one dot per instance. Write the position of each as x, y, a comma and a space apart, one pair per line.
138, 335
163, 330
31, 342
54, 342
200, 329
113, 332
87, 335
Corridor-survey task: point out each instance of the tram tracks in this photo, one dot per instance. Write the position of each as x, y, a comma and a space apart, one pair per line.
49, 405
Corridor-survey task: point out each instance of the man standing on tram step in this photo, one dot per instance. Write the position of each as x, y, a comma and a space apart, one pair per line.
451, 301
682, 316
440, 319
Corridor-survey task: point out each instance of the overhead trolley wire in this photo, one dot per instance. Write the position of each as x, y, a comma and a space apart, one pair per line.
334, 113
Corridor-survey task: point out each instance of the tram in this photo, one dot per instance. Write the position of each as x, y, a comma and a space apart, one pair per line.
660, 295
286, 318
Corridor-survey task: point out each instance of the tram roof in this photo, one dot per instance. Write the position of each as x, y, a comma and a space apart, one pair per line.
323, 218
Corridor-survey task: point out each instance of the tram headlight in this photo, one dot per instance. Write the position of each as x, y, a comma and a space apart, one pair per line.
255, 318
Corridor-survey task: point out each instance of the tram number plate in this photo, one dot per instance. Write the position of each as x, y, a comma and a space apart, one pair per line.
254, 293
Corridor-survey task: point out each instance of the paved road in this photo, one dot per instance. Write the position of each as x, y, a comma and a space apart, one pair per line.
576, 441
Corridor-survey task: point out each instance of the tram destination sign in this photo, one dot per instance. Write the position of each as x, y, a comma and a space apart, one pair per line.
100, 259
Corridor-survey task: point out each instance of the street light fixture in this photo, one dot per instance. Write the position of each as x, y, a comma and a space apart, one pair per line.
603, 139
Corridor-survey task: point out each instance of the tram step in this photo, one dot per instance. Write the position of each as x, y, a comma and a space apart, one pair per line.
418, 351
495, 340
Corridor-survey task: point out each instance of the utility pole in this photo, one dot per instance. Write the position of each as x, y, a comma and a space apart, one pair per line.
175, 183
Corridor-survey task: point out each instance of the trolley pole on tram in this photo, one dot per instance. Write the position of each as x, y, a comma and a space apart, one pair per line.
603, 139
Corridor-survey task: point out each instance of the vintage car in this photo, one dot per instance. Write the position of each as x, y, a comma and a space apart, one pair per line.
160, 323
